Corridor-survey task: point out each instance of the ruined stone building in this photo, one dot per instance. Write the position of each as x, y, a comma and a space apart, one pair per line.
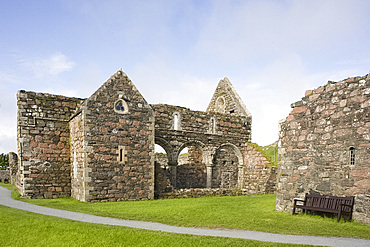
102, 148
325, 146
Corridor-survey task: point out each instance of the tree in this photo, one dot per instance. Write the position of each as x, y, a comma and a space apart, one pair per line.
4, 161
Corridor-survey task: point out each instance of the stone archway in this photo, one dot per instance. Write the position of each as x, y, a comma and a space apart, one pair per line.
191, 169
227, 167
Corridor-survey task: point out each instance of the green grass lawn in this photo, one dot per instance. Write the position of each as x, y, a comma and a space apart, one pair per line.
21, 228
241, 212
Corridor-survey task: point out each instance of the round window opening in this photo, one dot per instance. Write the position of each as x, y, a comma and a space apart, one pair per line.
121, 107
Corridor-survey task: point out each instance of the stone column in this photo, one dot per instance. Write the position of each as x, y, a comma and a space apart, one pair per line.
208, 154
240, 176
209, 176
173, 171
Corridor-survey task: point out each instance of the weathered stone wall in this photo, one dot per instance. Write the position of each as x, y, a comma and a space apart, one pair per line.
13, 170
43, 144
316, 142
191, 171
201, 192
4, 174
259, 175
118, 143
225, 169
202, 122
226, 100
162, 180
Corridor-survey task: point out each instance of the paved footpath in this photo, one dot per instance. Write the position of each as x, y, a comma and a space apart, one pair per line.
6, 200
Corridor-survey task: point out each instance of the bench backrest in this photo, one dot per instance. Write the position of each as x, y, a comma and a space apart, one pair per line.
329, 202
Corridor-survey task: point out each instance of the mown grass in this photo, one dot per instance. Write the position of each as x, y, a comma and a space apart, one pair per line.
241, 212
21, 228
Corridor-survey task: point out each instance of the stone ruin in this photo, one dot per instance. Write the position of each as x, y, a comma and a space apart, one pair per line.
102, 148
325, 146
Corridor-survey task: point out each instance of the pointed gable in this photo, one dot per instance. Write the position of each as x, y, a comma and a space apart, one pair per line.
226, 100
115, 131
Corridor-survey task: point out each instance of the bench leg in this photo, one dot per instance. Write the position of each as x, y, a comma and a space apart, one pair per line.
339, 215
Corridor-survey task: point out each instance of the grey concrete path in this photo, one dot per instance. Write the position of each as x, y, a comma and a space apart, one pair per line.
6, 200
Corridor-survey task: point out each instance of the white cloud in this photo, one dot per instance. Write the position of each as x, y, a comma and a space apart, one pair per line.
165, 84
52, 65
250, 29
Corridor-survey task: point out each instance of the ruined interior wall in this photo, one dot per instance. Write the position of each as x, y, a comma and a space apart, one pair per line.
14, 170
43, 144
162, 180
258, 174
4, 174
225, 169
201, 122
107, 132
315, 142
192, 173
78, 156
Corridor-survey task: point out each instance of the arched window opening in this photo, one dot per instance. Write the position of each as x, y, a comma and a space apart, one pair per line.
176, 121
220, 105
352, 156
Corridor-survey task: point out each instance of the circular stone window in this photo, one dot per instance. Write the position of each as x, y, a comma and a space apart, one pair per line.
121, 107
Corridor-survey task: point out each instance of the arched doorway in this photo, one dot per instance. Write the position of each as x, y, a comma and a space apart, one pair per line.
162, 174
225, 172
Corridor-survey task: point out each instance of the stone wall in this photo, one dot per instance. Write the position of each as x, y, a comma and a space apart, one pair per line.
325, 146
117, 143
191, 172
43, 144
13, 170
225, 169
202, 192
259, 175
226, 100
201, 122
4, 174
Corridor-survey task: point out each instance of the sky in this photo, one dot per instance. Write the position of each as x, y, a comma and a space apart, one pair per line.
176, 51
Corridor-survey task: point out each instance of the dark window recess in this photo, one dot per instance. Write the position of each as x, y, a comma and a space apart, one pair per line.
120, 155
352, 156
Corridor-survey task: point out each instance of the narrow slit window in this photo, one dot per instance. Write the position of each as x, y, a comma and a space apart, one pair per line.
352, 156
121, 155
213, 126
176, 121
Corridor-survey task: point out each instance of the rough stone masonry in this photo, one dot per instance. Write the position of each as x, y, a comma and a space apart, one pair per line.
102, 148
325, 146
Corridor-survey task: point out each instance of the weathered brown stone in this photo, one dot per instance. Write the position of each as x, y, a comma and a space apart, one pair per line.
102, 148
340, 127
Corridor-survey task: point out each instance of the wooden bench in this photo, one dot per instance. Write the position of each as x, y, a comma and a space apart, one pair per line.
329, 204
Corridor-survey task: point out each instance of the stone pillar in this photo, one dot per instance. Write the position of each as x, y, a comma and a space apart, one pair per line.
240, 176
209, 176
173, 171
208, 154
